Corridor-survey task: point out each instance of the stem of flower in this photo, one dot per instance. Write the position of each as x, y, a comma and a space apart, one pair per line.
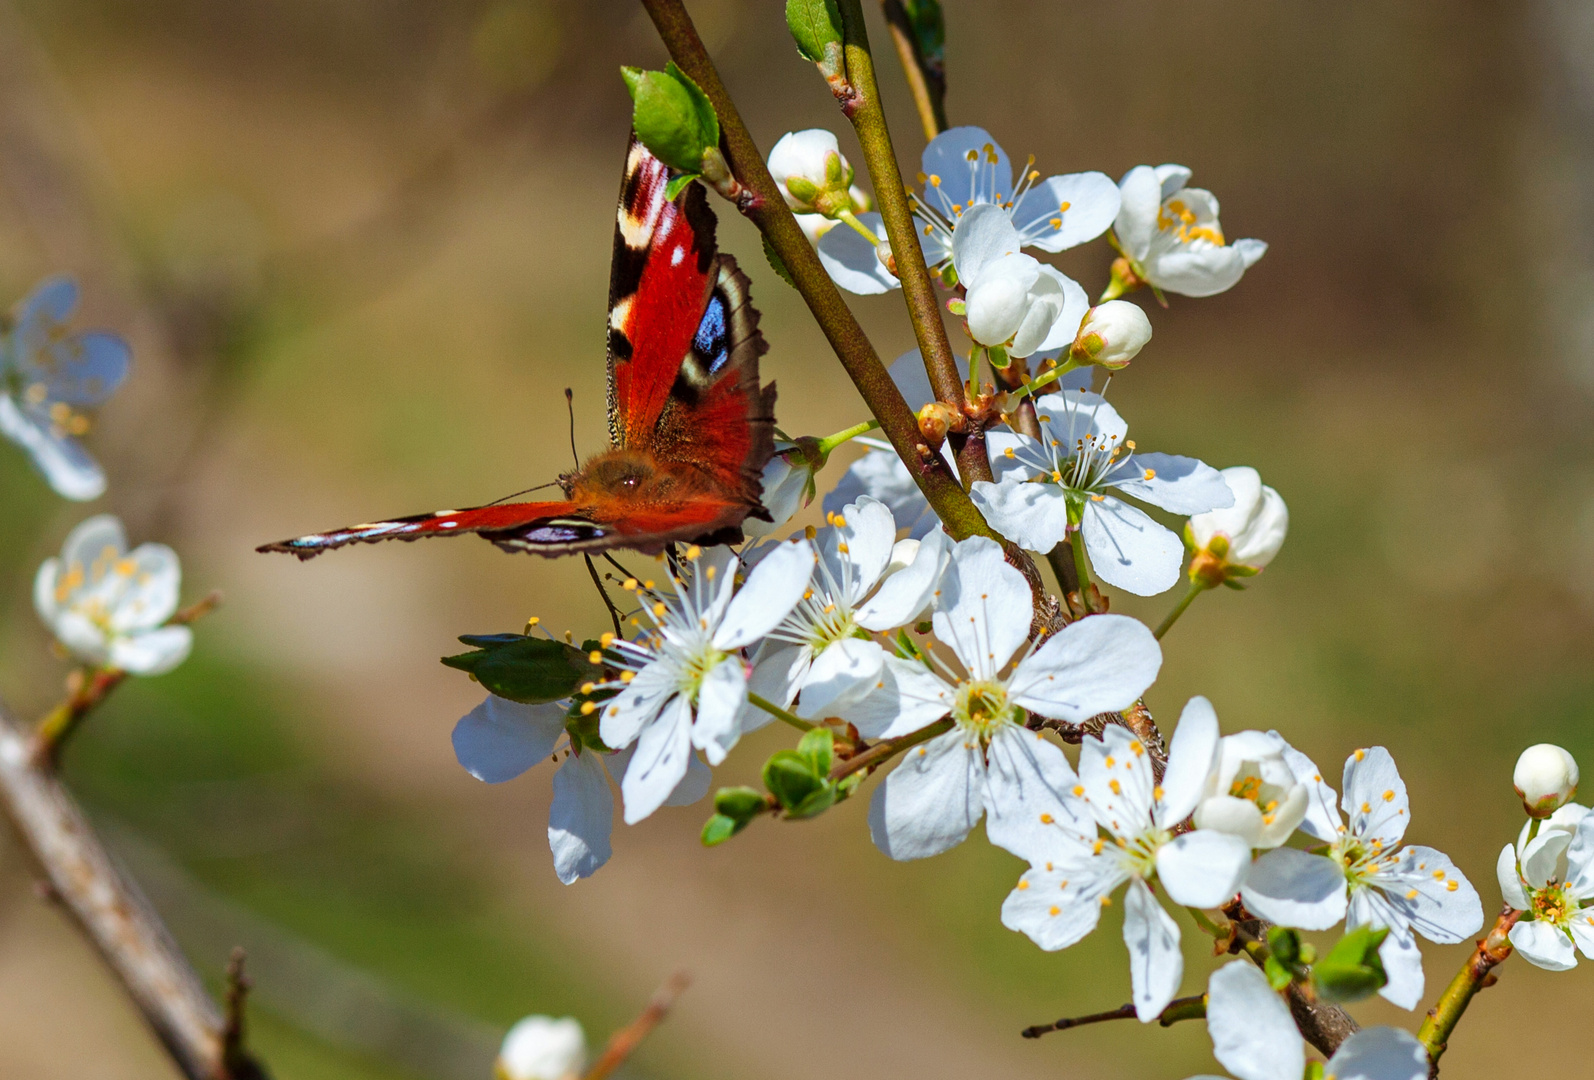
1185, 1008
1076, 544
1206, 923
1046, 378
849, 218
1195, 590
830, 442
918, 290
886, 749
779, 713
623, 1043
926, 78
1475, 974
768, 210
1061, 559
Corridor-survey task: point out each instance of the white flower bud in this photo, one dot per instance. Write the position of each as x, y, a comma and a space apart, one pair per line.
1545, 779
1251, 792
812, 173
1239, 540
542, 1048
1111, 335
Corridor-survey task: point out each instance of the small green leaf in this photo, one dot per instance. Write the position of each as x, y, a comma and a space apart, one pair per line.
1285, 944
526, 669
814, 24
929, 28
777, 265
790, 778
677, 184
672, 116
816, 803
1352, 969
1278, 976
740, 803
817, 747
719, 828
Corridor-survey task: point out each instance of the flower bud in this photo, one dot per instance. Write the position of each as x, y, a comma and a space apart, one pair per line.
1111, 335
542, 1048
1545, 779
1239, 540
812, 174
935, 420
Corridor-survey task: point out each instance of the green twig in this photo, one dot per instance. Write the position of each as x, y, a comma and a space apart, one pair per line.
926, 77
887, 748
1474, 975
779, 713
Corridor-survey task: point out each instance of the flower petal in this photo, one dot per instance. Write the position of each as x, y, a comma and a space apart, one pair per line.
1062, 212
906, 698
1128, 549
853, 262
1402, 961
772, 590
1192, 755
1203, 868
659, 762
929, 802
1295, 888
965, 179
843, 672
1057, 904
1375, 797
906, 593
1090, 666
500, 739
1380, 1053
1155, 963
1433, 897
65, 465
720, 698
624, 717
154, 652
984, 607
1033, 516
1141, 198
1253, 1034
1115, 772
1029, 805
1580, 859
45, 583
148, 597
867, 533
1181, 485
1195, 270
1064, 328
1505, 870
985, 236
581, 817
1322, 818
779, 668
1543, 945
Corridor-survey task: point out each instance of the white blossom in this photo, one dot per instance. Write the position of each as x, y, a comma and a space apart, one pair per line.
500, 739
1245, 536
1363, 875
1255, 1038
989, 762
1251, 791
1550, 878
1545, 779
788, 486
542, 1048
1012, 300
1111, 335
1045, 489
48, 377
816, 650
1074, 872
684, 683
963, 168
813, 174
1171, 235
108, 606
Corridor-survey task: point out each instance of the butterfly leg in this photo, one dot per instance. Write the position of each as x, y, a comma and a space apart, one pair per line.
614, 612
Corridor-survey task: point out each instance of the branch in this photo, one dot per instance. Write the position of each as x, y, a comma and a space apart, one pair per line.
1476, 974
625, 1041
886, 749
1185, 1008
1324, 1026
113, 914
926, 76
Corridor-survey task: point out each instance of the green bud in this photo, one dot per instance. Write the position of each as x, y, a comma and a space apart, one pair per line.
815, 26
1278, 976
791, 778
672, 116
525, 669
1285, 944
719, 828
1352, 969
802, 188
816, 803
740, 803
817, 747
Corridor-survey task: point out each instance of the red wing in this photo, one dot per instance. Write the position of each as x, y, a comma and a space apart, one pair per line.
479, 519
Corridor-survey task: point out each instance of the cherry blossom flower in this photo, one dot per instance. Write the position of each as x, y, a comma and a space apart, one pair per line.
1363, 875
1255, 1038
48, 377
1074, 872
684, 682
990, 763
1171, 236
542, 1048
500, 739
1238, 541
815, 179
1046, 489
1111, 335
1013, 300
864, 580
108, 606
1550, 878
963, 168
1251, 791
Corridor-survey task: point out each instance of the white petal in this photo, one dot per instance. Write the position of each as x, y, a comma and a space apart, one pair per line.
963, 181
44, 586
1129, 550
1092, 200
984, 235
1080, 414
1402, 961
500, 739
1045, 321
1375, 797
152, 653
906, 593
1181, 485
82, 637
1203, 868
720, 698
778, 672
1505, 870
1191, 757
1581, 928
625, 715
771, 591
1058, 904
906, 698
66, 465
1431, 894
1580, 859
868, 533
1090, 666
1136, 223
880, 473
581, 817
842, 673
148, 598
1253, 1034
984, 607
1173, 178
1191, 270
1115, 772
1543, 857
1380, 1053
998, 301
1065, 327
1543, 945
853, 262
693, 786
1033, 516
1030, 807
659, 763
1322, 819
1295, 888
96, 540
931, 800
1251, 251
1155, 963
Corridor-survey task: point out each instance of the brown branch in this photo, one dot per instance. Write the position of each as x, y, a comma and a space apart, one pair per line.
1324, 1026
623, 1043
1185, 1008
1477, 973
886, 749
113, 914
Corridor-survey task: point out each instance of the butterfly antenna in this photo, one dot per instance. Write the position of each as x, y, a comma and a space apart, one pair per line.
614, 612
527, 491
570, 406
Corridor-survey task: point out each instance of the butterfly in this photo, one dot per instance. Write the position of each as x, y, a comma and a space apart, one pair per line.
690, 428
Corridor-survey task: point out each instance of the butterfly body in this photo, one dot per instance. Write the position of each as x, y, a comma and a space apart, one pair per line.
690, 427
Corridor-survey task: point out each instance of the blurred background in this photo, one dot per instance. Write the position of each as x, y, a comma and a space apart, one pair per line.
361, 247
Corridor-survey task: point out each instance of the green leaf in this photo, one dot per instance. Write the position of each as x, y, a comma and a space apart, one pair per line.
677, 183
777, 265
719, 828
740, 803
816, 803
1278, 976
1352, 969
526, 669
672, 116
814, 24
1285, 944
929, 28
817, 747
790, 778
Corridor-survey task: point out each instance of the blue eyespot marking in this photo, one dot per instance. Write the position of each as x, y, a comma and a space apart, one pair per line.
712, 341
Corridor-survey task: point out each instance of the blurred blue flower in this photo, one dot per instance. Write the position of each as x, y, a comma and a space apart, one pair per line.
48, 377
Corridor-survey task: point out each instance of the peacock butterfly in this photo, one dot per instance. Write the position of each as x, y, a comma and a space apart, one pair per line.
689, 426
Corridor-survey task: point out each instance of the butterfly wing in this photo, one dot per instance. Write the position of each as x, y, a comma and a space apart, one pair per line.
526, 517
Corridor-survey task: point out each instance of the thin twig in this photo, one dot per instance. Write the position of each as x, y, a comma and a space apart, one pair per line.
1476, 974
1185, 1008
926, 76
625, 1041
112, 913
886, 749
